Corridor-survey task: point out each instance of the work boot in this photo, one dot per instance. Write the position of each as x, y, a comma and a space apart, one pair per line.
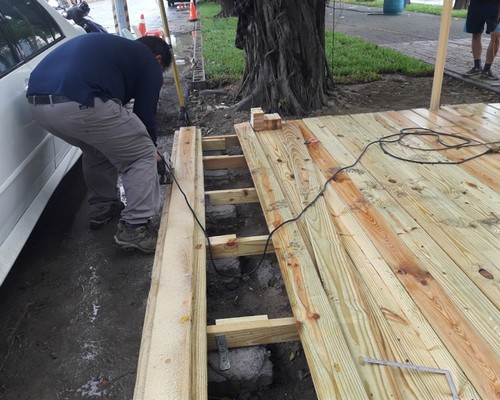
474, 71
489, 75
98, 221
141, 237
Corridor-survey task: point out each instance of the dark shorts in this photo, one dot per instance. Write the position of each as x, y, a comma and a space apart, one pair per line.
480, 14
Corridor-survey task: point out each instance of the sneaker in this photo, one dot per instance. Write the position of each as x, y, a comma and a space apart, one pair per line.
489, 75
474, 71
140, 237
98, 221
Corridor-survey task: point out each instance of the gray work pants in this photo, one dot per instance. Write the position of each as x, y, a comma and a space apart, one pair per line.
112, 140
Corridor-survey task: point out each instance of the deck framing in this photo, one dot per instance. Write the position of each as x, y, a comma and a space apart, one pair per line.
395, 261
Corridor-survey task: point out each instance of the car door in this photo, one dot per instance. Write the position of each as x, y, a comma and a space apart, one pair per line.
29, 156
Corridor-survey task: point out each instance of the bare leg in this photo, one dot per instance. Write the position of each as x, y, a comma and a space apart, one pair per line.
477, 47
492, 50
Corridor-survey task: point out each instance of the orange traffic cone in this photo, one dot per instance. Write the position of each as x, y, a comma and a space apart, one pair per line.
193, 16
142, 25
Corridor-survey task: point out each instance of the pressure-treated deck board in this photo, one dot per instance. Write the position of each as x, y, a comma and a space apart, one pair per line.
459, 287
365, 325
447, 223
417, 204
486, 170
332, 368
392, 178
167, 367
447, 320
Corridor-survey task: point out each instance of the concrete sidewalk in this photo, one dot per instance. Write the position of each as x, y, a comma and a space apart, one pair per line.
413, 34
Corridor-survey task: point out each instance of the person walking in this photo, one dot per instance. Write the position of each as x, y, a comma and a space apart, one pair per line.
479, 14
78, 92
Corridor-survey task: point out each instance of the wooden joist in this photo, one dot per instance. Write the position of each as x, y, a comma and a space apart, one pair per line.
223, 142
224, 162
227, 246
251, 331
232, 196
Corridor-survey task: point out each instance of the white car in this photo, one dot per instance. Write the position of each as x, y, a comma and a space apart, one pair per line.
32, 161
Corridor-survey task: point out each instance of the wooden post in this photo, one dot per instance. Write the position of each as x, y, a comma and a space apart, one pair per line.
444, 33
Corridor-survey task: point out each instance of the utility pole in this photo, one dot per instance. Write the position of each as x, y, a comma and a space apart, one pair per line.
120, 16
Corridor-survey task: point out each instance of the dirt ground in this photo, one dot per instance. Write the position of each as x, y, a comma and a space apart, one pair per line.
74, 331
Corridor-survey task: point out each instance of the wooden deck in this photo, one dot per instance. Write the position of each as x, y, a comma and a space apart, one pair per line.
397, 261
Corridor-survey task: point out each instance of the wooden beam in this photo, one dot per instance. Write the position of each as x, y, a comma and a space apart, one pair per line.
220, 142
228, 246
232, 196
199, 356
224, 162
167, 369
444, 33
147, 330
252, 331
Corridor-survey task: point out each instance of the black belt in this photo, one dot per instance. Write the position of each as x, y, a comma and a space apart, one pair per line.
47, 99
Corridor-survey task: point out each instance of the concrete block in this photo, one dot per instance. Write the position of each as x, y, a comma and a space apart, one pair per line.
216, 177
251, 370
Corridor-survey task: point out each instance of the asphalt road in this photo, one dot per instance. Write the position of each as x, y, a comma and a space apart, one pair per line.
373, 25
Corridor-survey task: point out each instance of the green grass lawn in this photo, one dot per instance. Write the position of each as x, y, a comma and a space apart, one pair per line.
354, 60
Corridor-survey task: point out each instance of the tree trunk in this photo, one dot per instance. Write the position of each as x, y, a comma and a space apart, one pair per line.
227, 7
461, 4
286, 69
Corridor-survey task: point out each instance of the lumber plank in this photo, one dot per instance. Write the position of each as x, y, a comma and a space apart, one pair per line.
469, 205
333, 371
241, 332
224, 162
406, 324
232, 196
199, 348
283, 168
475, 357
153, 291
219, 142
478, 128
485, 169
227, 246
450, 236
365, 323
168, 364
365, 332
459, 287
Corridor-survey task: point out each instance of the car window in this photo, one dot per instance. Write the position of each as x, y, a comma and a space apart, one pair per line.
7, 59
28, 26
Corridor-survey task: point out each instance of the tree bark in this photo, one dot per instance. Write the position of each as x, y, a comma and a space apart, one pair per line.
286, 69
461, 4
227, 7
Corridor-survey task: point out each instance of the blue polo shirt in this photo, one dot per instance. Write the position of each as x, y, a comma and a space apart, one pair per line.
105, 66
